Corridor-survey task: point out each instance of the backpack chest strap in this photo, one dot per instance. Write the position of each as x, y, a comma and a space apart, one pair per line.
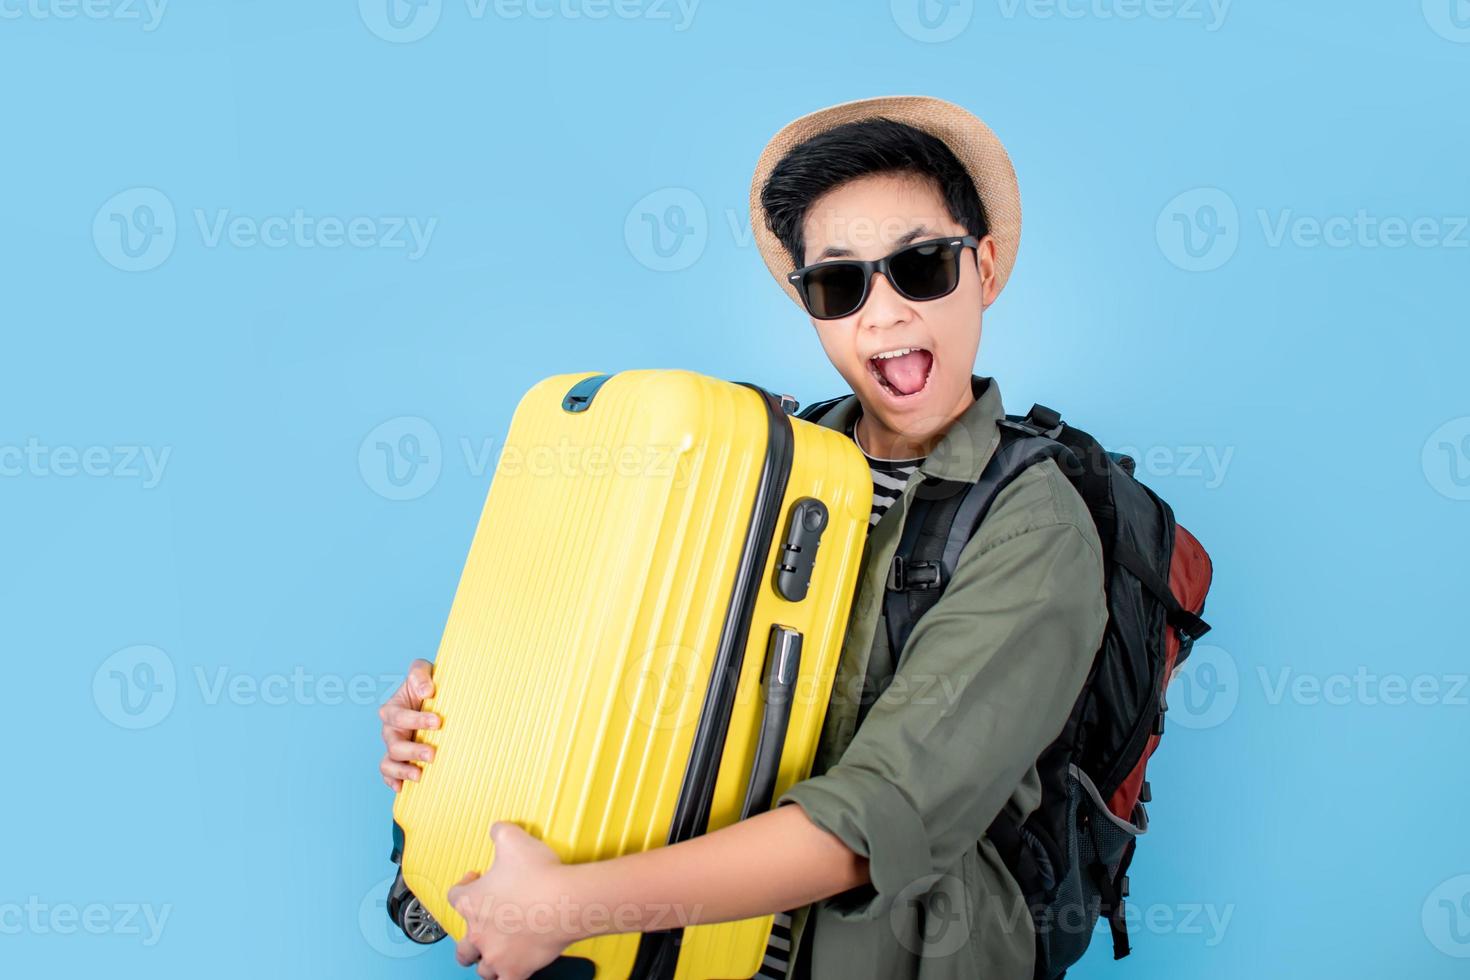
942, 517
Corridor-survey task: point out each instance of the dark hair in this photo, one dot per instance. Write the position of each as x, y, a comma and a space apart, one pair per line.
858, 149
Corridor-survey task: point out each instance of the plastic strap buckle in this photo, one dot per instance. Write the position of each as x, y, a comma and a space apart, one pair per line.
908, 576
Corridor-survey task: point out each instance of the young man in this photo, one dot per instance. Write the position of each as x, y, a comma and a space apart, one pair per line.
894, 223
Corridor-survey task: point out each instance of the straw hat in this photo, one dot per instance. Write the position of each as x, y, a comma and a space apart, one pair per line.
970, 139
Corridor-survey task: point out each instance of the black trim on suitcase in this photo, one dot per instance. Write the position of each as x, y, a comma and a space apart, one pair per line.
658, 952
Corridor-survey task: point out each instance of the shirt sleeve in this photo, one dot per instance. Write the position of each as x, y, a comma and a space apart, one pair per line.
987, 680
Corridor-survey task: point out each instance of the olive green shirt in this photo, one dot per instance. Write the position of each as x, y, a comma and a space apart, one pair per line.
986, 681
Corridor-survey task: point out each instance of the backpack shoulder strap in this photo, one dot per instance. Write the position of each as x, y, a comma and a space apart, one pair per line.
815, 411
945, 515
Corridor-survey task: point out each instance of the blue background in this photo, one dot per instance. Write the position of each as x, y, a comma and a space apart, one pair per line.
1329, 829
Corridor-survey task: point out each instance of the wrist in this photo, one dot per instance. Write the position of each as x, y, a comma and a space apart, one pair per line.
574, 884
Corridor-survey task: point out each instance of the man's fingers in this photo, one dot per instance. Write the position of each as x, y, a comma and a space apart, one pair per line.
421, 680
407, 719
408, 751
487, 971
465, 952
400, 770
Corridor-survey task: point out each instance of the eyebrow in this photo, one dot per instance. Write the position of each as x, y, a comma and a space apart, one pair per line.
907, 238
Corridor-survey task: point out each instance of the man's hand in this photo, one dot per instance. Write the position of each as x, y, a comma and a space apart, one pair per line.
402, 716
520, 914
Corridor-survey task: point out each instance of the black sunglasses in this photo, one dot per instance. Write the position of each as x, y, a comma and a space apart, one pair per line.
921, 271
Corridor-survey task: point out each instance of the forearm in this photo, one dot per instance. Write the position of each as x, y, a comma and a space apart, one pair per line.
771, 862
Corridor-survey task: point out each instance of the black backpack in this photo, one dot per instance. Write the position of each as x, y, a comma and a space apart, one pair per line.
1071, 856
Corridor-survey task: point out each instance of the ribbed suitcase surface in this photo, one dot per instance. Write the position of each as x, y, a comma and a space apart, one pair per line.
587, 630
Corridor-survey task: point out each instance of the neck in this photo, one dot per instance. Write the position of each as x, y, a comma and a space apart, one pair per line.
881, 442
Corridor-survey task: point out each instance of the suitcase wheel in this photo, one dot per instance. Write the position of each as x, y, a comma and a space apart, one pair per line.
409, 914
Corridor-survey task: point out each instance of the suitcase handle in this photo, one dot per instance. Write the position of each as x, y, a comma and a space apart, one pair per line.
783, 663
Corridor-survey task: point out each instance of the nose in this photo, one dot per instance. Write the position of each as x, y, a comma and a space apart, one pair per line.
885, 307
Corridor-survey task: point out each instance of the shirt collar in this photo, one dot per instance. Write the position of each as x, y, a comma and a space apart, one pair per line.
965, 447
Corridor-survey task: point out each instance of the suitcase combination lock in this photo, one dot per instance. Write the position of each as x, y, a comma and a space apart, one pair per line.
804, 526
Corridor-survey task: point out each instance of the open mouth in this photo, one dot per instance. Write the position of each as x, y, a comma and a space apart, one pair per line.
902, 372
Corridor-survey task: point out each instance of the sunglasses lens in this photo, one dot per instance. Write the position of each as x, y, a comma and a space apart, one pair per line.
833, 289
925, 271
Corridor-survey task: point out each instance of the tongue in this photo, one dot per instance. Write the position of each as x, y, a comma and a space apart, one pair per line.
906, 374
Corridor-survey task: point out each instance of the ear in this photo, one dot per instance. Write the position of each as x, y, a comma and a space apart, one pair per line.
985, 264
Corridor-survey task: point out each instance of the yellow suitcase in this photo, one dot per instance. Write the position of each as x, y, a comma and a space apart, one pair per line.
642, 645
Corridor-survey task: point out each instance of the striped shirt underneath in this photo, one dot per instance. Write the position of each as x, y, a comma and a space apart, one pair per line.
890, 476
